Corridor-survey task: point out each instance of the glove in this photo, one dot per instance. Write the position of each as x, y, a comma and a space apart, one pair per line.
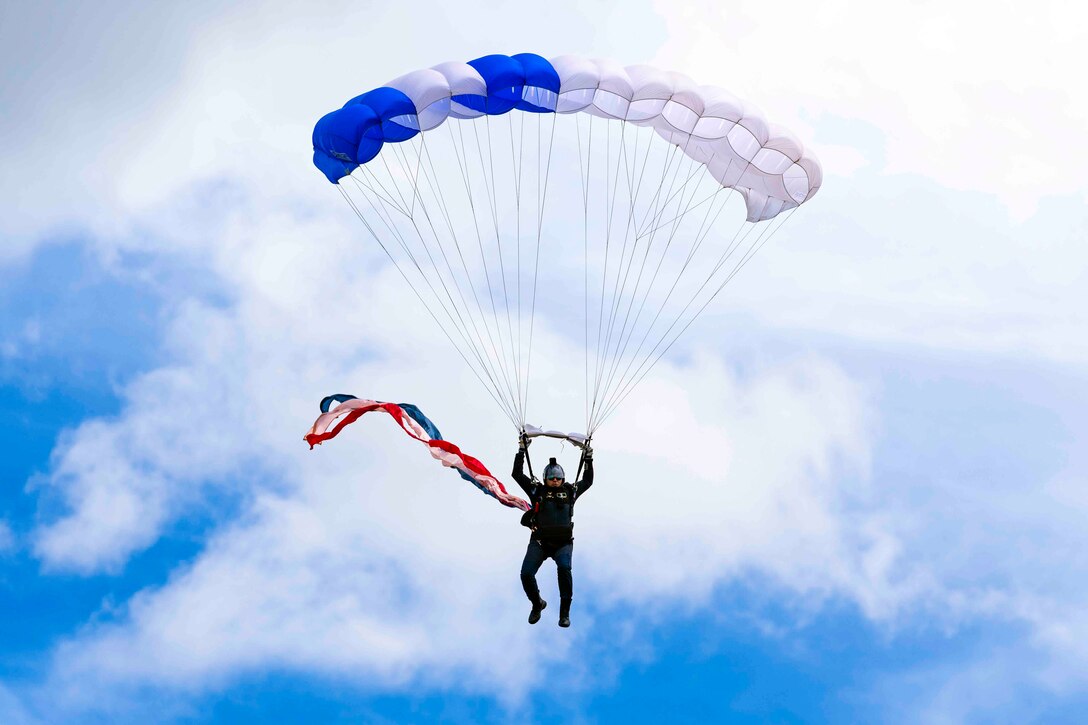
588, 452
523, 443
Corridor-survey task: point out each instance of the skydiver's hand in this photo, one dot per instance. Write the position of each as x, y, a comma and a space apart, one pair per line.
523, 443
588, 452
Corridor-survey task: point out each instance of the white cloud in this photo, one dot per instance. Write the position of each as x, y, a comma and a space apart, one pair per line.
975, 97
364, 556
355, 582
17, 345
964, 230
340, 554
13, 710
900, 263
7, 538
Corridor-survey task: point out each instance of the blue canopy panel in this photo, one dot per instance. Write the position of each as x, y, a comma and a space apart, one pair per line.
355, 134
541, 89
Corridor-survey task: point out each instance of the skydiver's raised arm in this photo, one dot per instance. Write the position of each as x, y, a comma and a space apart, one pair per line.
518, 473
587, 478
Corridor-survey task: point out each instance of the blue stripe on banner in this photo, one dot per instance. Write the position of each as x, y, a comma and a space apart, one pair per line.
417, 415
328, 400
432, 430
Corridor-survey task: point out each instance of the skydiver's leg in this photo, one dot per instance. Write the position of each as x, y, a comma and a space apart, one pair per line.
534, 557
563, 559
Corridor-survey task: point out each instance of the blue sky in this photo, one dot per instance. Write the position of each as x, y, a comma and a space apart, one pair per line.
864, 500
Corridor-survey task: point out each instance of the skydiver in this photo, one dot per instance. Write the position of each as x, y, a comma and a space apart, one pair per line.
552, 522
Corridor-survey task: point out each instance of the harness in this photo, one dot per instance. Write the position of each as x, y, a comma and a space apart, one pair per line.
564, 495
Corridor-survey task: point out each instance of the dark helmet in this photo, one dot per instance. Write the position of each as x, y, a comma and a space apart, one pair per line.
553, 470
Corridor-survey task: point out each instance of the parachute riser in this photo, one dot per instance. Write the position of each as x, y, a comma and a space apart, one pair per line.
528, 458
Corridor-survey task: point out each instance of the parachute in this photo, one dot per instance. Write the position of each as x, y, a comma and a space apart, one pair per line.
512, 188
412, 420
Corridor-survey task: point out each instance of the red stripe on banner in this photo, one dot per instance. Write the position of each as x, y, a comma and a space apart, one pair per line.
316, 439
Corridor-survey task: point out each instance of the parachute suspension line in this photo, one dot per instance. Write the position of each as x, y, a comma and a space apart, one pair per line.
600, 317
634, 190
764, 237
658, 203
523, 357
609, 201
649, 244
668, 220
605, 338
542, 197
642, 268
616, 291
406, 167
394, 184
414, 177
618, 288
403, 190
465, 172
487, 169
394, 230
436, 192
490, 390
625, 377
699, 238
645, 162
461, 155
696, 174
650, 241
614, 384
628, 326
475, 351
498, 247
611, 193
500, 348
518, 166
536, 267
584, 177
601, 338
417, 196
375, 187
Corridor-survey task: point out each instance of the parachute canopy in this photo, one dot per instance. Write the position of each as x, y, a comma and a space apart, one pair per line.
465, 172
741, 150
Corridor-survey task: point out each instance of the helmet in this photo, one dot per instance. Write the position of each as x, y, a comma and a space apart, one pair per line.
553, 470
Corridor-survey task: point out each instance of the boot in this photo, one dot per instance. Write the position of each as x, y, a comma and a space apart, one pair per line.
564, 613
534, 616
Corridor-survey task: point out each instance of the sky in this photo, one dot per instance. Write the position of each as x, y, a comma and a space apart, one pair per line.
854, 493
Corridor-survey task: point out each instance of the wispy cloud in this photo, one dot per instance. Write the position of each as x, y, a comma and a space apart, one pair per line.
17, 345
954, 94
7, 538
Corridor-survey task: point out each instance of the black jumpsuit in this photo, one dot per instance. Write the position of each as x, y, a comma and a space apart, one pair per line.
541, 547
